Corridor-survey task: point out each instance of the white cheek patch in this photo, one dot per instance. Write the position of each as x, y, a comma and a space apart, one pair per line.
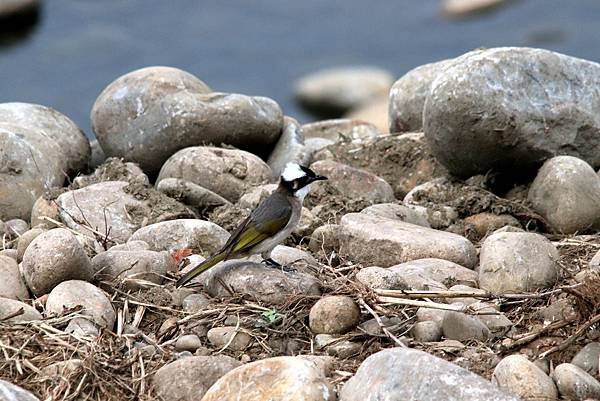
302, 192
292, 171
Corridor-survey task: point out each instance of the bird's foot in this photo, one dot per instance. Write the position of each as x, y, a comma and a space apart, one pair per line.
271, 263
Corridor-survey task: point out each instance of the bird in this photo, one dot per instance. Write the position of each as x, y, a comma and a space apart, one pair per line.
268, 225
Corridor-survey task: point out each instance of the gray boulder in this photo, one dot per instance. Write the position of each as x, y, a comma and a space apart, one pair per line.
516, 262
409, 374
513, 108
408, 94
147, 115
519, 376
385, 242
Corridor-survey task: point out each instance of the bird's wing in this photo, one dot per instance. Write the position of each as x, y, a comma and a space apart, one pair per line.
265, 221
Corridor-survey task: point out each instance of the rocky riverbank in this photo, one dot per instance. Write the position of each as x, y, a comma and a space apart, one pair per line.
458, 249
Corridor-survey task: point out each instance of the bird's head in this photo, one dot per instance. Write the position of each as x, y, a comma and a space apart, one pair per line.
297, 179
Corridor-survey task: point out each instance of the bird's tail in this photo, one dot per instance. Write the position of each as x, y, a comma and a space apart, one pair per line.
207, 264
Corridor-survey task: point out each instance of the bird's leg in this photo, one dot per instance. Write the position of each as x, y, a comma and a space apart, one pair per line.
269, 262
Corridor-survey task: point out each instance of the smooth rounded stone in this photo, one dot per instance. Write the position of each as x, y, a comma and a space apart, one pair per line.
439, 270
374, 111
587, 358
353, 182
97, 157
430, 314
113, 169
82, 327
517, 262
194, 303
11, 253
324, 238
408, 94
337, 90
191, 194
380, 278
334, 314
497, 323
25, 239
147, 115
221, 337
281, 378
465, 300
129, 246
188, 379
93, 301
414, 215
10, 307
32, 163
12, 392
401, 374
289, 148
384, 242
426, 331
199, 235
43, 208
265, 284
188, 342
460, 326
337, 347
491, 103
227, 172
463, 8
340, 129
294, 258
61, 368
11, 284
15, 227
575, 383
51, 126
252, 198
52, 258
521, 377
485, 223
566, 192
126, 266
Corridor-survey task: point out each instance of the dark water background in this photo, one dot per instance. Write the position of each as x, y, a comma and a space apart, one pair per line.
261, 47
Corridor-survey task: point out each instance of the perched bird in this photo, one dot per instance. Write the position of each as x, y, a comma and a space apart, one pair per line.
268, 225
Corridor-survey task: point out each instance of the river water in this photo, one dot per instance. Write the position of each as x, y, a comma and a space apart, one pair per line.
261, 47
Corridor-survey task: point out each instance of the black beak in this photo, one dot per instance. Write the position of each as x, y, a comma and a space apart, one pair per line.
319, 178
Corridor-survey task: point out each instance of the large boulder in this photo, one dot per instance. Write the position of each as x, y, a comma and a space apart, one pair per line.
512, 108
408, 94
147, 115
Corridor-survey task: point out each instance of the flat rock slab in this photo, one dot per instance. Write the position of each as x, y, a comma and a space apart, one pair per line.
383, 242
409, 374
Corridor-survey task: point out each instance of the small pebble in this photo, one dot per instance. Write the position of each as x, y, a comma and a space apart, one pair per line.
334, 315
189, 342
